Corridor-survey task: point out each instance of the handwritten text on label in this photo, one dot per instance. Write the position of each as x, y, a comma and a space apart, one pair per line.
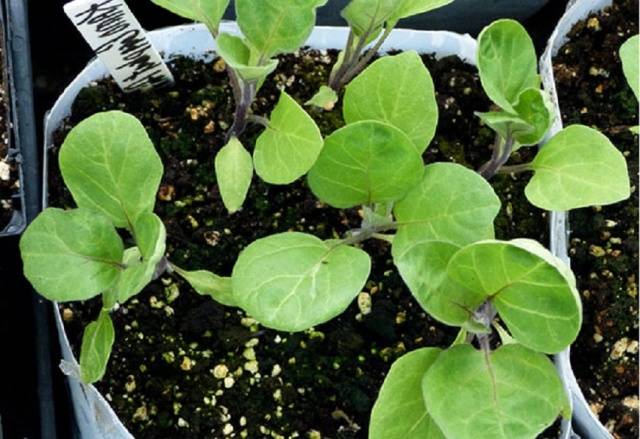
116, 36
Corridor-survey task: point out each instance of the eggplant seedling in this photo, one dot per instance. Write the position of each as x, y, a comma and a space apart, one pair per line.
78, 254
370, 24
569, 168
291, 141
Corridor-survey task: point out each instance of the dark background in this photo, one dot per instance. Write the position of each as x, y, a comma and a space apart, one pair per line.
58, 54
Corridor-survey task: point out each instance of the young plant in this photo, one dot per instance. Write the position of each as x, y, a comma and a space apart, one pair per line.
371, 23
113, 173
291, 141
569, 171
630, 66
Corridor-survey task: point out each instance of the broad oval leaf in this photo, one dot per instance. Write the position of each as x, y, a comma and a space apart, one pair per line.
290, 145
237, 55
630, 63
509, 393
293, 281
423, 267
578, 167
110, 166
207, 283
71, 255
507, 62
363, 163
534, 297
97, 341
276, 26
399, 411
407, 102
451, 204
209, 12
234, 171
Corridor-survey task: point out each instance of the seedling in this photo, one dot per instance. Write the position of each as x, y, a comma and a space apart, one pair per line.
113, 173
291, 142
629, 56
569, 170
370, 23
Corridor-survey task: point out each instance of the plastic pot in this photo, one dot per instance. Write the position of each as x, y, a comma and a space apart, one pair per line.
585, 422
94, 417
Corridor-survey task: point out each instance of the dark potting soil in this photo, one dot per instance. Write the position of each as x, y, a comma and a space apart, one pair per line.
185, 366
604, 241
9, 183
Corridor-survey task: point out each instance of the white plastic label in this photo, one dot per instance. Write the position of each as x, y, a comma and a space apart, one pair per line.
116, 36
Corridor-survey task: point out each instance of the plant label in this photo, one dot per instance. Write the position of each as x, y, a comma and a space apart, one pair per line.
118, 39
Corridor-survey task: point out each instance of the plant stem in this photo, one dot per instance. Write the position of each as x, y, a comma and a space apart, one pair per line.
348, 53
243, 105
485, 315
258, 120
364, 60
515, 169
501, 152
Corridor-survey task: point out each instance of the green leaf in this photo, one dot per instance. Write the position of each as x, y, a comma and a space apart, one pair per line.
95, 351
134, 278
630, 63
363, 163
141, 261
234, 171
71, 255
530, 123
110, 165
407, 102
237, 55
409, 8
209, 12
509, 393
399, 411
209, 284
326, 98
276, 26
423, 267
451, 204
578, 167
293, 281
535, 109
290, 145
368, 16
506, 62
151, 236
534, 296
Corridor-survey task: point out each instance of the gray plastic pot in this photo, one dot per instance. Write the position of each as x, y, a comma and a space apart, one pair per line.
95, 419
585, 422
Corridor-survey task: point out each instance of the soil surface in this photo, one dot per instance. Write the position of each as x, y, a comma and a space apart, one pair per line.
185, 366
604, 240
9, 183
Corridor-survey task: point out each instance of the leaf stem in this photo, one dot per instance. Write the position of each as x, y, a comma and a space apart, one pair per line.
502, 150
515, 169
260, 120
